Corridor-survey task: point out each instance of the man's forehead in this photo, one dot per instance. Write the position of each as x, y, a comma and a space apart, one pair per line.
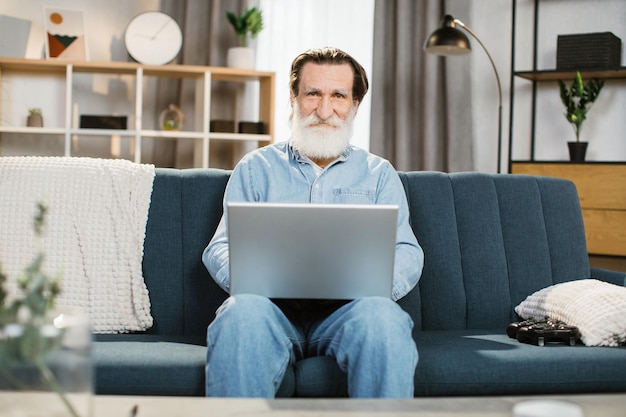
318, 76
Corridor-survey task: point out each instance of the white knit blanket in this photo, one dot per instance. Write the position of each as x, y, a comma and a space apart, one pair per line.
93, 237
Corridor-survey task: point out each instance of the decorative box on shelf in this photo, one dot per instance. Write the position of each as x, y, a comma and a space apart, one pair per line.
89, 121
251, 127
225, 126
581, 51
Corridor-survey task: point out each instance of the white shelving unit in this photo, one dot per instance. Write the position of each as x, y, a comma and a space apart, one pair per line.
203, 76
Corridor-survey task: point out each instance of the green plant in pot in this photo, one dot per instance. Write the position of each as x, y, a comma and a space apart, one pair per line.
578, 99
247, 25
35, 118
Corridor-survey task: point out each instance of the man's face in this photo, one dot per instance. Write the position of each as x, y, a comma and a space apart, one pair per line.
323, 110
325, 90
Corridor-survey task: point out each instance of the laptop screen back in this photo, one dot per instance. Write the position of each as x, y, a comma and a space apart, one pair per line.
311, 251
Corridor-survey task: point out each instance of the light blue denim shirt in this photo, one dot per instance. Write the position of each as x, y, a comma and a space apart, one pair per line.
279, 173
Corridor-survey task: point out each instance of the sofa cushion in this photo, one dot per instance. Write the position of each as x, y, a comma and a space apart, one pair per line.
488, 362
485, 362
597, 308
320, 376
143, 364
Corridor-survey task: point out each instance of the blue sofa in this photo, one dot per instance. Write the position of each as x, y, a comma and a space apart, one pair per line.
489, 242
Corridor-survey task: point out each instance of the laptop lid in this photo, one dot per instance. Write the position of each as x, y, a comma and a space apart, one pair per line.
316, 251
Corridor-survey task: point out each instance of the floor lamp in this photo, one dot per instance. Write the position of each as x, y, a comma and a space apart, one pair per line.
448, 40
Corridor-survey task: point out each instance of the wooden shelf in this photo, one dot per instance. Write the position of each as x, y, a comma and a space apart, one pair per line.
171, 134
33, 130
130, 68
203, 76
554, 75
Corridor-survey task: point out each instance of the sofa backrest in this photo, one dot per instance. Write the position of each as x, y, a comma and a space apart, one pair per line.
489, 241
184, 212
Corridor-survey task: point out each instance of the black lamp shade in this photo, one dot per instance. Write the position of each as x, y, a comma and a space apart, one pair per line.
448, 40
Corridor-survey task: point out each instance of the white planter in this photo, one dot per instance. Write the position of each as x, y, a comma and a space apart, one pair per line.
240, 57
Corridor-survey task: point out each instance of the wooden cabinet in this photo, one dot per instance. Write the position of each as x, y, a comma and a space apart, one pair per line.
602, 192
200, 133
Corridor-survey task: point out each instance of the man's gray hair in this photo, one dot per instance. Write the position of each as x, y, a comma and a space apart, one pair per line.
334, 56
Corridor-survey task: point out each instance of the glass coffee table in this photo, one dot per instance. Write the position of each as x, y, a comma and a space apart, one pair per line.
596, 405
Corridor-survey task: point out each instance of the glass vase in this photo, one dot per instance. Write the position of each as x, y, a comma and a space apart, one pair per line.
45, 368
171, 118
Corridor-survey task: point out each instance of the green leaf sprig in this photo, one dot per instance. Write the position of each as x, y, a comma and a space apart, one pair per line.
37, 291
249, 22
578, 99
29, 310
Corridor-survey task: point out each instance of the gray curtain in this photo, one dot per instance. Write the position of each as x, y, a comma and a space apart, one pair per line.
207, 35
420, 103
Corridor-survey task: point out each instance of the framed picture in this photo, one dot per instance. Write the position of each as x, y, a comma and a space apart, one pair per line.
65, 34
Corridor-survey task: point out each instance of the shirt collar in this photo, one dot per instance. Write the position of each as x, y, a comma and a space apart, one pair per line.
296, 156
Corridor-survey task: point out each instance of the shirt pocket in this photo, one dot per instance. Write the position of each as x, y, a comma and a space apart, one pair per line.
354, 196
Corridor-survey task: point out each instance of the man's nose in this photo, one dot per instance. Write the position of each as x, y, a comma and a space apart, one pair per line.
324, 108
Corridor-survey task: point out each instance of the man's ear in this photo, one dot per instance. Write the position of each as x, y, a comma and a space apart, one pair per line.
292, 101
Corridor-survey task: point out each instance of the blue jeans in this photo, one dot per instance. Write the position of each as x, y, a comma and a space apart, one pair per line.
252, 341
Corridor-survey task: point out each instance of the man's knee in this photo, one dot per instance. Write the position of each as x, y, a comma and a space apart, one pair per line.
383, 313
244, 314
246, 305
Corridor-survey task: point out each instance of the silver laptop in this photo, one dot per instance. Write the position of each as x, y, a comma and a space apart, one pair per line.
317, 251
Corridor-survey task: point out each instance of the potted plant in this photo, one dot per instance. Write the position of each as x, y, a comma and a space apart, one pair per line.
247, 26
34, 119
578, 99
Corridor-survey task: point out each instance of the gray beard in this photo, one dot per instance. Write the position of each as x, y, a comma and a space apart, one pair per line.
321, 142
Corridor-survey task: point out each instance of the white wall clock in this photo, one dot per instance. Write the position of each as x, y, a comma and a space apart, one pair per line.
153, 38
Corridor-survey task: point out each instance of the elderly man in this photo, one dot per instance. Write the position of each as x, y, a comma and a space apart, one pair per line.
253, 339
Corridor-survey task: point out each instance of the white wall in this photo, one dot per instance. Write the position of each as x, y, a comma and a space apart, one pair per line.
605, 125
495, 33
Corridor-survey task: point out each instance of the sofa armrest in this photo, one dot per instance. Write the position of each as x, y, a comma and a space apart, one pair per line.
607, 275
